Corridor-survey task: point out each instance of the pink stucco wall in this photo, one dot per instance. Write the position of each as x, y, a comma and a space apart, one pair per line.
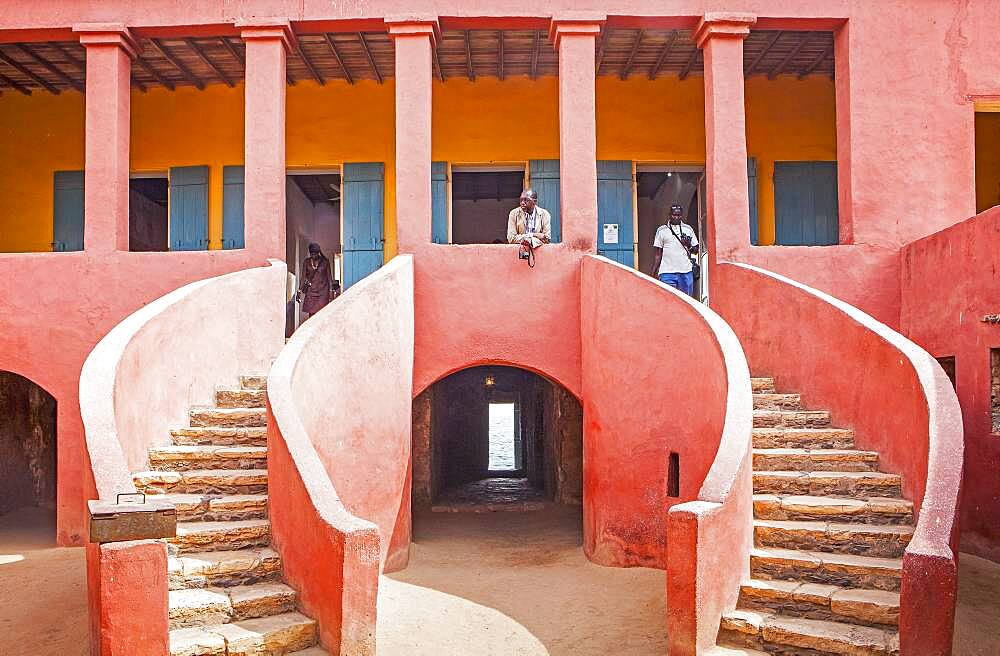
877, 382
949, 283
339, 396
655, 381
55, 307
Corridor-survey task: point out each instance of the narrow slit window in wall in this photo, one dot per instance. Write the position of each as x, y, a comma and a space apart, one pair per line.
674, 476
947, 363
995, 389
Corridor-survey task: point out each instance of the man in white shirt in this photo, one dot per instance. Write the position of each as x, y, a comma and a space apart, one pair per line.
674, 244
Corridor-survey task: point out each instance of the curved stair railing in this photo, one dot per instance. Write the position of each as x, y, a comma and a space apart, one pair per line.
339, 403
138, 381
892, 393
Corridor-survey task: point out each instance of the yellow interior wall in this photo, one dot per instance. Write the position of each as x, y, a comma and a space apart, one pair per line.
473, 122
787, 120
39, 134
987, 160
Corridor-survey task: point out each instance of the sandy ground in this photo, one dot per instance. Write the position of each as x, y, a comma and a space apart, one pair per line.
511, 584
43, 589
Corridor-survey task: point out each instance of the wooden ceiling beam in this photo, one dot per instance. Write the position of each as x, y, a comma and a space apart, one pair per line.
15, 85
777, 70
690, 63
188, 75
308, 62
827, 51
368, 54
336, 55
152, 72
469, 70
51, 67
605, 35
21, 68
667, 47
631, 57
534, 55
500, 71
752, 68
208, 62
70, 57
437, 62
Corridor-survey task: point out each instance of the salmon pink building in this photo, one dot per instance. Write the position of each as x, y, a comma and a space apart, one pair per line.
165, 164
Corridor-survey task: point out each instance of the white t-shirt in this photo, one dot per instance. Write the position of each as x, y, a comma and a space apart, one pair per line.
675, 258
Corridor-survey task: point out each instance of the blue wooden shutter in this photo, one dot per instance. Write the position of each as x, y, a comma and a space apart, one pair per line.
232, 207
439, 202
67, 211
364, 220
752, 188
189, 208
614, 205
544, 179
805, 203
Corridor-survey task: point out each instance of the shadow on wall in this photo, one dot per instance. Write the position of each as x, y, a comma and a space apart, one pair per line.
27, 444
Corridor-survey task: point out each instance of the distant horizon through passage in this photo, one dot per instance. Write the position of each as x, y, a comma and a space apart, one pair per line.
502, 437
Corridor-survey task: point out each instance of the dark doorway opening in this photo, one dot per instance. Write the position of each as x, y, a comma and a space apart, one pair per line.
496, 438
27, 445
148, 218
312, 214
481, 201
657, 189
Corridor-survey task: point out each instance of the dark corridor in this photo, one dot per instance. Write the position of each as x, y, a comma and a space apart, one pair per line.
27, 445
454, 441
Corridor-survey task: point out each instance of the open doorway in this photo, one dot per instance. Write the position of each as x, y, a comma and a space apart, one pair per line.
312, 215
482, 198
497, 438
27, 448
148, 218
987, 126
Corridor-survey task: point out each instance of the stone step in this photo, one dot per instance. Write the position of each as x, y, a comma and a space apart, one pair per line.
233, 417
882, 541
207, 456
311, 651
779, 634
803, 438
220, 435
223, 568
273, 636
844, 570
818, 601
220, 536
871, 510
814, 460
202, 481
211, 507
206, 606
253, 382
791, 419
774, 401
241, 398
762, 385
857, 485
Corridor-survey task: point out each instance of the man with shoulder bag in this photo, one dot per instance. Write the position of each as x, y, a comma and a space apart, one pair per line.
674, 245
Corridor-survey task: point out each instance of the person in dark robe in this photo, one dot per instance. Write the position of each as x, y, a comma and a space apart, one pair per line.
318, 285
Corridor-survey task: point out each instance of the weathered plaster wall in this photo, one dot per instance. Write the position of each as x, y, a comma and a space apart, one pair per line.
27, 444
949, 323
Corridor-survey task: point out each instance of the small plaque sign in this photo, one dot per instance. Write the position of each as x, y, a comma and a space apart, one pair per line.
610, 233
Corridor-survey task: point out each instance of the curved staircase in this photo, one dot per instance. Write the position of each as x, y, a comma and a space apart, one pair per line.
829, 534
226, 595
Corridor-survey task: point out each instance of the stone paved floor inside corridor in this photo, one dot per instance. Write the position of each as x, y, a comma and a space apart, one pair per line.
491, 494
472, 589
516, 584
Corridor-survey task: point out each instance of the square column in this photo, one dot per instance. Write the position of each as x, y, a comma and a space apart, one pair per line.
110, 49
414, 40
267, 40
720, 36
575, 39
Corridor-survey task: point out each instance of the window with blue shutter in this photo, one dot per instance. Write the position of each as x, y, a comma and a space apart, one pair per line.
232, 207
615, 239
544, 179
67, 211
364, 220
188, 208
805, 204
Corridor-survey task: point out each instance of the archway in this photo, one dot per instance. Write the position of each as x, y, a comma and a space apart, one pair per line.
496, 437
27, 445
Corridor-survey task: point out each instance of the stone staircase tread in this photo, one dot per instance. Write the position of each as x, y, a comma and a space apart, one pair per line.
820, 635
195, 568
812, 559
278, 634
812, 525
253, 382
832, 453
222, 536
725, 650
858, 484
868, 606
311, 651
187, 502
201, 606
206, 452
211, 527
818, 506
